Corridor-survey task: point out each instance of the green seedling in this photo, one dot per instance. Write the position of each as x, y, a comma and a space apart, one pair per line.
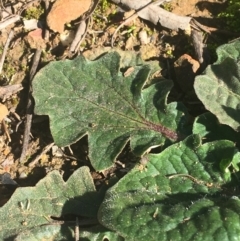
33, 12
232, 15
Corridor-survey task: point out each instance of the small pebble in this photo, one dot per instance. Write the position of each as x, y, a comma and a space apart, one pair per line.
22, 175
143, 37
144, 161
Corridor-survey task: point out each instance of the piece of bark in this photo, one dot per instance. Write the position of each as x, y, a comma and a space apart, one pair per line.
79, 36
5, 23
157, 14
9, 90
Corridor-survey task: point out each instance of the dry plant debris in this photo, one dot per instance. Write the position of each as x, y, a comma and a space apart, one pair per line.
3, 112
64, 11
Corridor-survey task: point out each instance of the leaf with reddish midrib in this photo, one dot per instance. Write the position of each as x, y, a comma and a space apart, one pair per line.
93, 98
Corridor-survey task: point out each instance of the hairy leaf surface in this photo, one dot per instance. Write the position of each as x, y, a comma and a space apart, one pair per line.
181, 195
94, 98
219, 87
31, 207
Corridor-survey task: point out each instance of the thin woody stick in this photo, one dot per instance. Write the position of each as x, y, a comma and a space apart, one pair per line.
80, 34
10, 36
82, 28
9, 21
6, 130
133, 17
29, 111
4, 9
14, 17
45, 150
46, 31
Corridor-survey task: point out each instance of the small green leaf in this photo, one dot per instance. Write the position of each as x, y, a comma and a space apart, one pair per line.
219, 87
224, 165
236, 161
31, 207
181, 195
93, 98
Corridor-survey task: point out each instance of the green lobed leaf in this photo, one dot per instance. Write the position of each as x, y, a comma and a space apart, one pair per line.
94, 98
219, 87
31, 207
181, 195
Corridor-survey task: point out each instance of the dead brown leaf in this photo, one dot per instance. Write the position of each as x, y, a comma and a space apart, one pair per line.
3, 112
186, 60
64, 11
7, 91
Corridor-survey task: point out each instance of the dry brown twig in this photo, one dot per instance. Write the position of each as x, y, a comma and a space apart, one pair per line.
10, 36
12, 18
83, 28
44, 151
6, 130
28, 120
79, 36
134, 16
9, 90
6, 92
46, 31
4, 9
